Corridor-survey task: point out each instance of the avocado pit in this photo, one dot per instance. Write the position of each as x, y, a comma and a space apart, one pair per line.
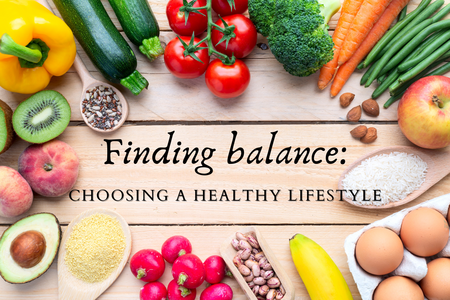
28, 248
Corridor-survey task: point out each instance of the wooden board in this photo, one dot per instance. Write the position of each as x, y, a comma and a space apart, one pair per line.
206, 241
96, 176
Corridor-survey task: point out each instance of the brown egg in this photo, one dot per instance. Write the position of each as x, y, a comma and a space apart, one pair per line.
436, 285
424, 231
379, 251
398, 288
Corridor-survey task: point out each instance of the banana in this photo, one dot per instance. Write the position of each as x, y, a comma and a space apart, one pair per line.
319, 273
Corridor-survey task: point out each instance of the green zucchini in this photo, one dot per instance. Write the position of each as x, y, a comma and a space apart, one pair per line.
102, 42
140, 25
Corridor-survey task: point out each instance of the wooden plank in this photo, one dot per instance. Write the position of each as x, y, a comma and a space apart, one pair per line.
96, 175
206, 241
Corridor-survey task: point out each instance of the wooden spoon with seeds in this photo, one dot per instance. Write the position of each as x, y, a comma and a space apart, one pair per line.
72, 288
437, 168
90, 82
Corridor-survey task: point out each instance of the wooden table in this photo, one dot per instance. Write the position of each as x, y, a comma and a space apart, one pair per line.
275, 101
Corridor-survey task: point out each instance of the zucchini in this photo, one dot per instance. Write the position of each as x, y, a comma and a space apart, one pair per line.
102, 42
140, 25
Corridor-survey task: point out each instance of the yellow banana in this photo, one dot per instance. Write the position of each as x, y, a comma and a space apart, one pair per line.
319, 273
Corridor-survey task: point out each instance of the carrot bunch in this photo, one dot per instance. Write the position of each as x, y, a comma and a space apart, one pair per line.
361, 25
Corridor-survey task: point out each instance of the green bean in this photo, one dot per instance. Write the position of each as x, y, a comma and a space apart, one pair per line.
393, 32
425, 53
442, 13
439, 71
402, 14
381, 44
360, 65
398, 57
425, 63
382, 78
385, 85
400, 43
368, 72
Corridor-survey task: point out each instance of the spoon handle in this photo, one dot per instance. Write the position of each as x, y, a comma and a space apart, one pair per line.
86, 78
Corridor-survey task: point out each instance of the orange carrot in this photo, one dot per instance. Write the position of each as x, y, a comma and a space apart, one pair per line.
348, 12
367, 16
375, 34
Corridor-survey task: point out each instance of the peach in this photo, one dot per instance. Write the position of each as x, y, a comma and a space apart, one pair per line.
51, 168
16, 195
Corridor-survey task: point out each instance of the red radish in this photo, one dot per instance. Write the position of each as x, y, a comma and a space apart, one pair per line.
215, 269
220, 291
176, 292
188, 271
147, 265
153, 291
174, 247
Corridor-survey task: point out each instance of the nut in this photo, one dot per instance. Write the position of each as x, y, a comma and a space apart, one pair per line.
370, 136
346, 99
359, 132
354, 114
371, 107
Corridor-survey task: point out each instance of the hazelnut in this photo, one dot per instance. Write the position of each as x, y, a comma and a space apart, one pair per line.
371, 107
359, 132
370, 136
346, 98
354, 114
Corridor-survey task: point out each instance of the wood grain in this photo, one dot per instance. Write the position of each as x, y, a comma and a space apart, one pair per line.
96, 175
206, 241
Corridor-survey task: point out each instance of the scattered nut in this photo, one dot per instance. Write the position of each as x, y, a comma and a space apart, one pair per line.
354, 114
370, 136
346, 99
371, 107
359, 131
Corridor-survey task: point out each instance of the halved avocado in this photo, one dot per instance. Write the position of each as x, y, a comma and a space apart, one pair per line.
18, 243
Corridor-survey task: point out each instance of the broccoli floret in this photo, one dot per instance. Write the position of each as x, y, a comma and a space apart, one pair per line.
298, 32
262, 14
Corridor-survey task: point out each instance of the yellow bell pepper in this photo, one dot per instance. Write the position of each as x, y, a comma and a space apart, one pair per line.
34, 46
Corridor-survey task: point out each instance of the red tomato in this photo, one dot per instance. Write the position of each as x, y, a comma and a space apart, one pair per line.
223, 8
196, 23
227, 81
245, 40
185, 66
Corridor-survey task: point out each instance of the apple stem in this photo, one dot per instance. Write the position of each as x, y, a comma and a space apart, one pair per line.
438, 101
48, 167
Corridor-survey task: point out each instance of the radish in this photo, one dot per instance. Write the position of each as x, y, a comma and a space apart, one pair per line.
147, 265
215, 269
220, 291
188, 271
176, 292
153, 291
174, 247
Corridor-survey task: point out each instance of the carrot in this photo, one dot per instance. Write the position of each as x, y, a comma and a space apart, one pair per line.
375, 34
348, 12
367, 16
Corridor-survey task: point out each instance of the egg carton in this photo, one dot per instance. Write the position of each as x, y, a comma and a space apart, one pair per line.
412, 266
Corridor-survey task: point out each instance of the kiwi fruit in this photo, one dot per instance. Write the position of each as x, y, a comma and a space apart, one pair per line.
6, 128
41, 117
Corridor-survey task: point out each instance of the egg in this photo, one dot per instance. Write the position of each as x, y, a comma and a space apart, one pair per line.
398, 288
436, 284
379, 251
424, 232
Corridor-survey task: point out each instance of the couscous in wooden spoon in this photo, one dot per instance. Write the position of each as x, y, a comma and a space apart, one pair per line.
438, 166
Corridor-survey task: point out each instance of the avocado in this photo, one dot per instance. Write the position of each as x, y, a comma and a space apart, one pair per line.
28, 247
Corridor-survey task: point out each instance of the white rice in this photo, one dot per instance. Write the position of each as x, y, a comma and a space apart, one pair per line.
396, 175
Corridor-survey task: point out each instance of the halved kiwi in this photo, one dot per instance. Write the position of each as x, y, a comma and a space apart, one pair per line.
41, 117
6, 128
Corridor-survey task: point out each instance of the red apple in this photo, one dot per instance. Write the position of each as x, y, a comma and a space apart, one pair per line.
51, 168
16, 195
424, 112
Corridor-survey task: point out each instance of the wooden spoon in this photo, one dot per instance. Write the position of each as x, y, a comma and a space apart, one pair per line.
438, 167
90, 82
72, 288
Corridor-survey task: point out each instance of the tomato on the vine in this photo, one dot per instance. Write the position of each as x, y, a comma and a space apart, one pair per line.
223, 8
185, 66
226, 81
177, 21
243, 43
